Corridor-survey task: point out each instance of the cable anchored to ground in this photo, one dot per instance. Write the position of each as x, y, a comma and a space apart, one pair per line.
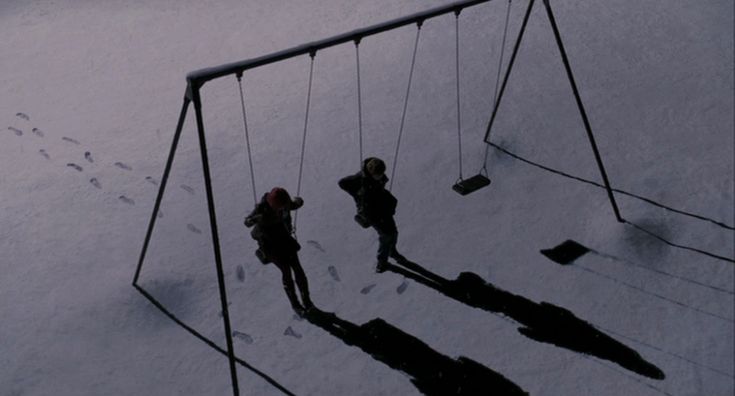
567, 175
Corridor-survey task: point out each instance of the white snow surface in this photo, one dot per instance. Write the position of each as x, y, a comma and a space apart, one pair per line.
107, 78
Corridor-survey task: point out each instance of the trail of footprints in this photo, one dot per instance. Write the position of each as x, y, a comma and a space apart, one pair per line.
94, 181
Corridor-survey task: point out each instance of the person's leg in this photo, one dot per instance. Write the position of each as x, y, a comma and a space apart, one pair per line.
288, 285
387, 237
301, 282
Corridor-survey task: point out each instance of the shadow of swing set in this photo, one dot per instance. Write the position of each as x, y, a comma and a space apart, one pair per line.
460, 376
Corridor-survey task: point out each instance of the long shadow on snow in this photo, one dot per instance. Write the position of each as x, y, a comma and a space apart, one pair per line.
431, 372
541, 322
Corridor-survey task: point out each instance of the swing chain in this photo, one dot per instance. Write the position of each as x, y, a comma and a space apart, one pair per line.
405, 104
247, 136
312, 54
459, 109
359, 97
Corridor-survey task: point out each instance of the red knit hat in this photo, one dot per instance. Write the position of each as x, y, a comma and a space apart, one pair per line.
278, 198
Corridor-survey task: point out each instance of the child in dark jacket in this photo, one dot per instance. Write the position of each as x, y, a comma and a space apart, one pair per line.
272, 228
375, 207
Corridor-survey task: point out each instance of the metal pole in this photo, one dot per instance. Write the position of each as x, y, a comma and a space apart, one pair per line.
215, 236
204, 75
508, 70
582, 112
162, 187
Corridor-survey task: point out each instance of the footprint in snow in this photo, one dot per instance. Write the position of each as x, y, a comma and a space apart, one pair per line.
95, 182
402, 287
123, 166
240, 272
44, 153
70, 140
193, 228
88, 156
297, 318
367, 289
37, 132
316, 245
75, 166
243, 336
151, 180
16, 131
187, 189
333, 273
126, 200
23, 116
289, 332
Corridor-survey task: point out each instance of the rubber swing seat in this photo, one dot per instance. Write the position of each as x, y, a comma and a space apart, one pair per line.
474, 183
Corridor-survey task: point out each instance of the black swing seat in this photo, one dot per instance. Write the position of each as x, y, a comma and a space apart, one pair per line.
474, 183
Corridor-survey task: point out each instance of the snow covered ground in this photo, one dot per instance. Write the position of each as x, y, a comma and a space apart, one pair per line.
91, 95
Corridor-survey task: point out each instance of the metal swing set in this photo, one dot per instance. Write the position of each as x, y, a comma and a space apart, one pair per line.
197, 79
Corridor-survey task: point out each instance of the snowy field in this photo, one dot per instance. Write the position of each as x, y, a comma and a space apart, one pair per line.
91, 95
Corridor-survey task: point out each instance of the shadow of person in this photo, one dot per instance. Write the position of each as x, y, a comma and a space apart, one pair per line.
431, 372
542, 322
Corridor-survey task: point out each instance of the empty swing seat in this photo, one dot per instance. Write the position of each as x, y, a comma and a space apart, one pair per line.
474, 183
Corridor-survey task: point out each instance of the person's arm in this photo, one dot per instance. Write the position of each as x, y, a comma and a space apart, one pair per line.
296, 203
253, 217
351, 184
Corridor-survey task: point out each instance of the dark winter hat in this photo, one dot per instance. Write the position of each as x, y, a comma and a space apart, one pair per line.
375, 166
278, 198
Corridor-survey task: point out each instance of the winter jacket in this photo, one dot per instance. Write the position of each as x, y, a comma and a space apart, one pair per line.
272, 229
372, 199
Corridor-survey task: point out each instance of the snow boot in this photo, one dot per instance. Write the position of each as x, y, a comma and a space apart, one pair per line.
381, 266
262, 257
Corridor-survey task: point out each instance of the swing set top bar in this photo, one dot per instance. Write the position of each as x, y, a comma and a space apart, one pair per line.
199, 77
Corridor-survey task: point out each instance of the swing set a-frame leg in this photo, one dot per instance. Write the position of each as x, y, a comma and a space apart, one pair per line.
192, 95
582, 112
194, 89
162, 187
577, 97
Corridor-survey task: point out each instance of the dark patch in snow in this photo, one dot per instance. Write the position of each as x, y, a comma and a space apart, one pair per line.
333, 273
17, 131
542, 322
193, 228
75, 166
187, 189
126, 200
88, 156
123, 166
316, 245
95, 182
243, 337
367, 289
220, 314
431, 372
565, 253
151, 180
290, 332
23, 116
240, 273
402, 287
159, 214
44, 153
37, 132
70, 140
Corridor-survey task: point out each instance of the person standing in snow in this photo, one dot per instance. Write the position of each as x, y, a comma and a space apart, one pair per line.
376, 207
272, 228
